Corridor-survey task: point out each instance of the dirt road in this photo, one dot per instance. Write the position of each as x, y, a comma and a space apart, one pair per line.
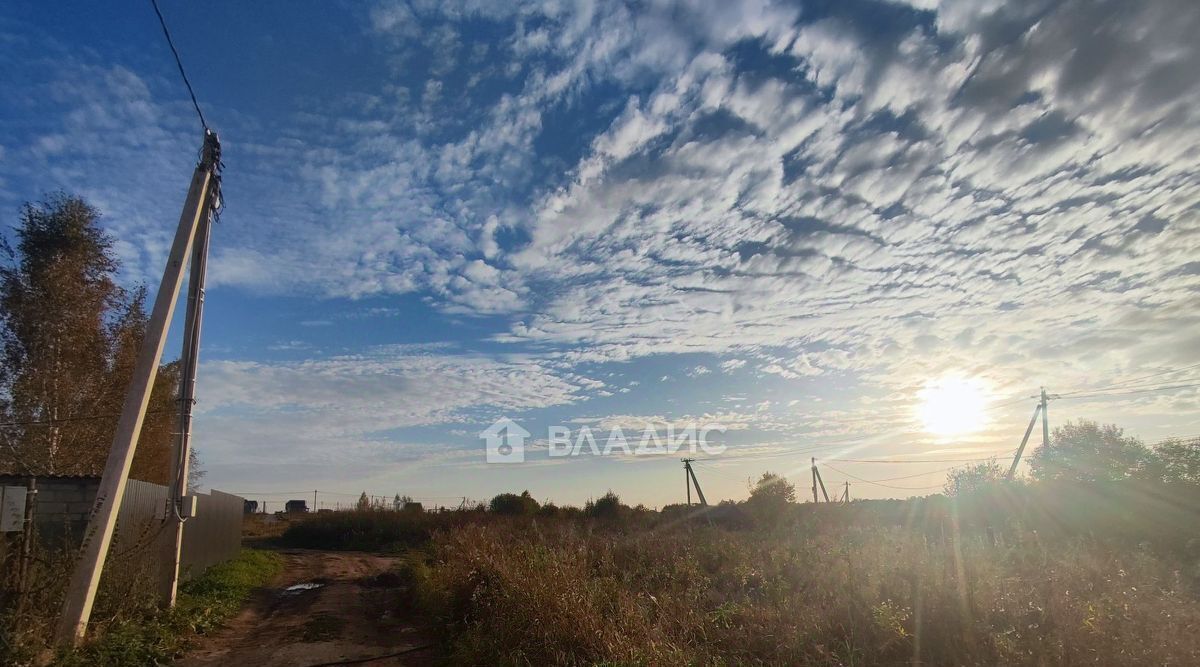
326, 608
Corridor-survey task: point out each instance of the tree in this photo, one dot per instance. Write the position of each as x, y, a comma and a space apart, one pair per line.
770, 498
1088, 452
607, 506
69, 336
1176, 461
364, 503
773, 488
975, 477
511, 504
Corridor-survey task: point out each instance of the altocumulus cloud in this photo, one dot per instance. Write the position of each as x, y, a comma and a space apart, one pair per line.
888, 189
294, 411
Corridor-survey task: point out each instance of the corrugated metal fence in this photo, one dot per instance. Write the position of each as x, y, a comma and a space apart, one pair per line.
213, 536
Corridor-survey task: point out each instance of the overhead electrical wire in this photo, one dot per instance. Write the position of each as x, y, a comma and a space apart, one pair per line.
892, 486
985, 458
1129, 387
1134, 392
1123, 383
179, 63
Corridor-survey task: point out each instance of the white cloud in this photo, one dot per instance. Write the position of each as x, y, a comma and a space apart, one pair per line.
258, 410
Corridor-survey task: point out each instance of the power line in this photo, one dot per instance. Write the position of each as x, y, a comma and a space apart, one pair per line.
986, 458
1156, 383
179, 63
1131, 393
1123, 383
892, 486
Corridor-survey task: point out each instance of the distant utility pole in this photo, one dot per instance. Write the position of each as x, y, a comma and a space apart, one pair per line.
846, 493
1041, 410
817, 481
81, 591
689, 478
1045, 405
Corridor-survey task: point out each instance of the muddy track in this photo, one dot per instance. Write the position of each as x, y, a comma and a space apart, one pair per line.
351, 615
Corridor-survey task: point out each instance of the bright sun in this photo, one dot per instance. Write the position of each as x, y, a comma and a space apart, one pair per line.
953, 406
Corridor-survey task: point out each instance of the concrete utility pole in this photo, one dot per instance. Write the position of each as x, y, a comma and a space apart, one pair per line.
1045, 405
181, 506
820, 481
689, 478
81, 591
1012, 470
814, 479
846, 494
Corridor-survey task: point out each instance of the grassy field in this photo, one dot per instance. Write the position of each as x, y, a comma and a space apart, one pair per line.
720, 588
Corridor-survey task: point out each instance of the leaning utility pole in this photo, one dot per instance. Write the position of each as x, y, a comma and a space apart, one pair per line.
1042, 409
689, 478
820, 481
81, 591
1012, 470
816, 477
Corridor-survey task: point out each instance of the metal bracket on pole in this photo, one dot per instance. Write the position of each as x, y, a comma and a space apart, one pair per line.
81, 591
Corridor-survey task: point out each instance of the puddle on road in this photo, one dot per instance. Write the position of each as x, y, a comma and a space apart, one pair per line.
300, 588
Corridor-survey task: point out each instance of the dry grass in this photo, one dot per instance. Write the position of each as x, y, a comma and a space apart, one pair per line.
569, 592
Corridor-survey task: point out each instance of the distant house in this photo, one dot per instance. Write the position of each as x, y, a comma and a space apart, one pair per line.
250, 507
294, 506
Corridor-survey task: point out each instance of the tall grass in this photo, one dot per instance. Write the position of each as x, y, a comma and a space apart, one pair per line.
127, 626
155, 637
563, 592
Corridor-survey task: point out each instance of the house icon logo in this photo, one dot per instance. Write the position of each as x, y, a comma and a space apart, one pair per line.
505, 440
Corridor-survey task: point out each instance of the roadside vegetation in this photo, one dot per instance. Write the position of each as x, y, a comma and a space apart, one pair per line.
150, 636
128, 628
573, 593
1093, 559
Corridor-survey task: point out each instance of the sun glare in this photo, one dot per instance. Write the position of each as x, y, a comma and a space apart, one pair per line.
953, 406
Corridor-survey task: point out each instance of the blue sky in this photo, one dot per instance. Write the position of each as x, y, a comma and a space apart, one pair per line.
791, 219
